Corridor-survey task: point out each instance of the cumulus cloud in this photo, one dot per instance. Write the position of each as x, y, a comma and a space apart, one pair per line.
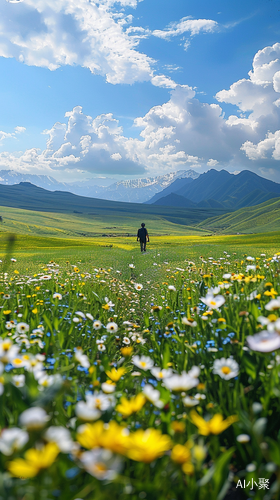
93, 145
51, 33
212, 163
184, 128
181, 133
259, 98
268, 148
163, 81
94, 35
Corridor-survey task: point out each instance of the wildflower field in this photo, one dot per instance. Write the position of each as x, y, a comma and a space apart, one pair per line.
129, 376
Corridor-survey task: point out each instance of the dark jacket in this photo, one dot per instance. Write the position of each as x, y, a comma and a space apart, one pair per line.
142, 234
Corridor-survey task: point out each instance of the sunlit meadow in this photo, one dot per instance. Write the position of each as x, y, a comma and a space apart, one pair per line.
147, 376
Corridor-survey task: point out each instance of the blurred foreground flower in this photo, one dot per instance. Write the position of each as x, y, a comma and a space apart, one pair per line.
34, 461
213, 302
215, 425
127, 407
264, 341
146, 446
101, 464
115, 375
111, 436
34, 418
12, 439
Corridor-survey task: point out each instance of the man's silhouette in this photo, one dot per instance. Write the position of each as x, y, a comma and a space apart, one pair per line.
143, 236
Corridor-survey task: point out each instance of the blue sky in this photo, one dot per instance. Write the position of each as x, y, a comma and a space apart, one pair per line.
139, 88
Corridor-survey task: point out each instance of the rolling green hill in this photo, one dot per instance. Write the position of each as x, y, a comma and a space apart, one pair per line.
30, 197
257, 219
112, 224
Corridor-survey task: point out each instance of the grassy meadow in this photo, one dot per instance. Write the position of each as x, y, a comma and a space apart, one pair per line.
126, 375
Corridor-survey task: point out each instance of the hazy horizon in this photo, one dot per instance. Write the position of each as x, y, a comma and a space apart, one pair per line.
132, 89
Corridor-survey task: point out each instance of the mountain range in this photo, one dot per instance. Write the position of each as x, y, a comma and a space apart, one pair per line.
29, 197
218, 189
132, 191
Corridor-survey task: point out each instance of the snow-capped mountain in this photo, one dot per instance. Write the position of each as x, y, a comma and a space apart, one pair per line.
133, 190
10, 177
141, 190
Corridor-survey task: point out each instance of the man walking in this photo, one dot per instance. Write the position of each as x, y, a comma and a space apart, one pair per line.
143, 236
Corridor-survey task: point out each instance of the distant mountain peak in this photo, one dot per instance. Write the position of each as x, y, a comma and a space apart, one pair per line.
161, 180
217, 188
135, 190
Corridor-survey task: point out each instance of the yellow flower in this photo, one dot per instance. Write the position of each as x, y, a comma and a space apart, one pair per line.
127, 407
201, 386
126, 351
188, 468
113, 437
272, 293
180, 454
89, 434
115, 375
177, 426
34, 461
214, 426
7, 312
199, 452
146, 446
35, 310
106, 307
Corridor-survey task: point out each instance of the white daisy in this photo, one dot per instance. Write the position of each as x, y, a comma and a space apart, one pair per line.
22, 327
273, 304
226, 368
143, 362
153, 395
138, 286
264, 341
243, 438
34, 418
101, 464
112, 327
160, 373
12, 440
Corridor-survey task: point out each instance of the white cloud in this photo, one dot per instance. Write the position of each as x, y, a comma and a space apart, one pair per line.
116, 156
259, 97
268, 148
93, 145
94, 35
212, 163
20, 130
180, 133
193, 26
51, 33
11, 135
163, 81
